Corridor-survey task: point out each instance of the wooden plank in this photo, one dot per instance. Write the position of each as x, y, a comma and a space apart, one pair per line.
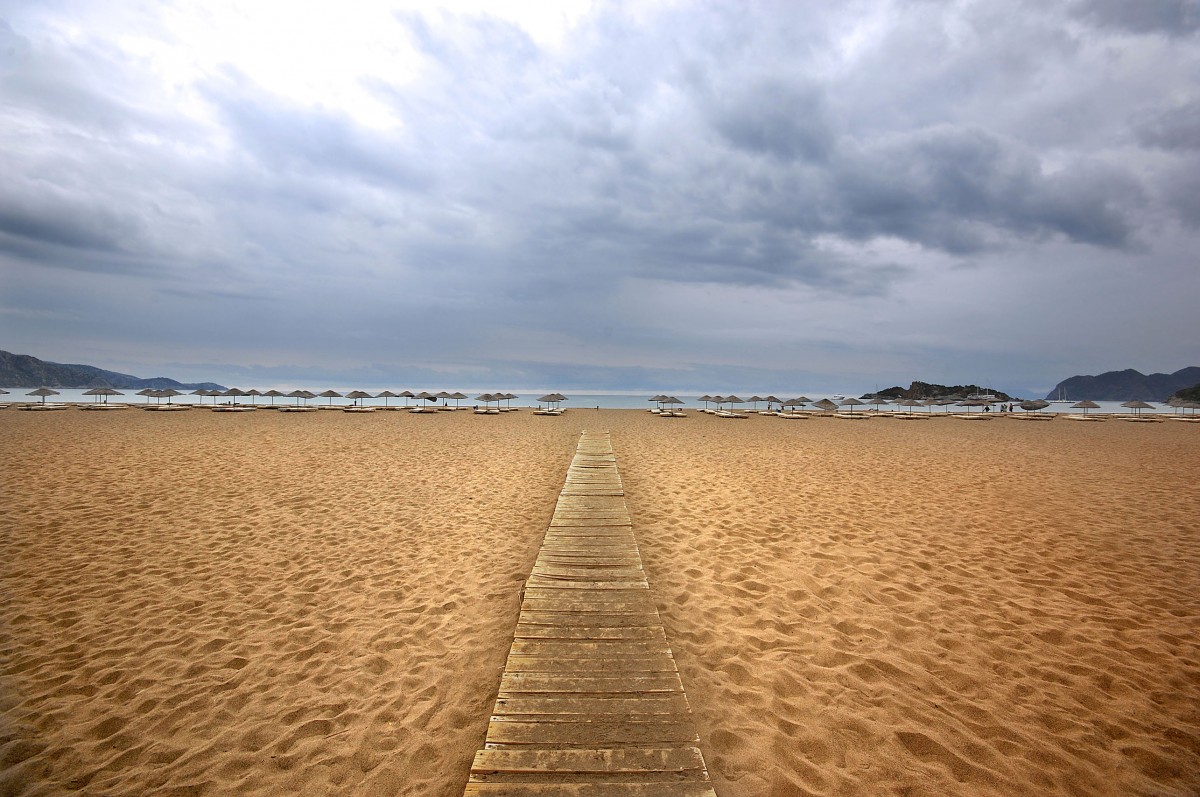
591, 734
595, 620
483, 789
550, 683
662, 703
579, 632
565, 604
607, 761
602, 648
590, 572
590, 666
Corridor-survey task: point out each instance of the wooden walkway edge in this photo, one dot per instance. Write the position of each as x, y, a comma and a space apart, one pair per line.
590, 703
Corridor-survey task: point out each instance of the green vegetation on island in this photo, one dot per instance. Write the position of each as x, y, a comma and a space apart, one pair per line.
928, 390
1186, 394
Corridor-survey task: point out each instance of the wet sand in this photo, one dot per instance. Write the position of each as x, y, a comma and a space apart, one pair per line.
264, 603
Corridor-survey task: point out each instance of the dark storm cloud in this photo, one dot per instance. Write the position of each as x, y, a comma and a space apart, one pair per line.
774, 117
1170, 17
959, 189
839, 163
1172, 129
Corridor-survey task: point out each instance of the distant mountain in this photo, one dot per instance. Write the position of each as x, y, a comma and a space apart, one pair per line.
22, 370
1125, 385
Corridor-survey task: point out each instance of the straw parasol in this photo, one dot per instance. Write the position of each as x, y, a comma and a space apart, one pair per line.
406, 395
300, 394
852, 403
1085, 405
825, 404
331, 395
43, 392
458, 396
274, 394
755, 399
356, 396
1137, 405
234, 393
102, 394
878, 401
385, 395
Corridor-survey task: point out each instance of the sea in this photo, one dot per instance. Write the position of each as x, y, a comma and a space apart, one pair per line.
620, 401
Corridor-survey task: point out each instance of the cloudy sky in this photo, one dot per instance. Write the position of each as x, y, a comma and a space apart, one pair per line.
684, 196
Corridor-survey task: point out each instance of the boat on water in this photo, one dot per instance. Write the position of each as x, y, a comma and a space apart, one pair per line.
838, 397
1061, 398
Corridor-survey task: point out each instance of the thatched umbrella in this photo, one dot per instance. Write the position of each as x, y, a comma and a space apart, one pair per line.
1186, 405
385, 395
706, 399
252, 393
234, 393
331, 395
301, 394
755, 400
168, 394
102, 394
1137, 405
878, 401
458, 396
201, 392
772, 400
444, 396
274, 394
43, 392
1040, 404
356, 396
147, 392
1085, 405
825, 404
851, 403
406, 395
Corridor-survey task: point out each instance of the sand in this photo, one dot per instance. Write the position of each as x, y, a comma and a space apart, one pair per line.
265, 603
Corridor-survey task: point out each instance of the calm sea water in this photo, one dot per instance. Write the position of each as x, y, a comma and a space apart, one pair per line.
637, 401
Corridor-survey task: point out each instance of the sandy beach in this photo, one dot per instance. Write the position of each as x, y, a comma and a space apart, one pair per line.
264, 603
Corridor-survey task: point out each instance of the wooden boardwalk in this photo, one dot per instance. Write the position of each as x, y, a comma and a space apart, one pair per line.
590, 703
